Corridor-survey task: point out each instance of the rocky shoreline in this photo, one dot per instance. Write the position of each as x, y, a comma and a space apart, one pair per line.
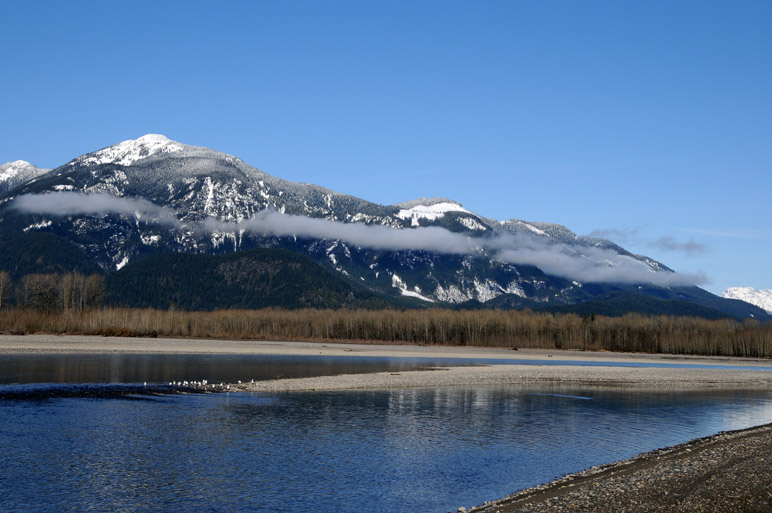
724, 473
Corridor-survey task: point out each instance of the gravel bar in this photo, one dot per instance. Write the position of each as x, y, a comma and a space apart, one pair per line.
470, 376
729, 472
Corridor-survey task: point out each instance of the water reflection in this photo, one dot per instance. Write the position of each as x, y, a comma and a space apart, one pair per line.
162, 368
411, 450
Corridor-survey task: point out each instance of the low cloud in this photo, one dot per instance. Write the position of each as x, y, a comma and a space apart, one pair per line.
75, 203
555, 259
271, 222
592, 265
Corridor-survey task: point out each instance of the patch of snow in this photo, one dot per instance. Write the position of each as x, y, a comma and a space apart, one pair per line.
515, 288
209, 195
149, 240
760, 298
472, 224
397, 282
450, 295
487, 290
64, 188
359, 217
127, 153
534, 229
219, 238
430, 212
38, 226
120, 265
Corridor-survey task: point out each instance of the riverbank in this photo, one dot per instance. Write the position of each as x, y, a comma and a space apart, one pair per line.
725, 473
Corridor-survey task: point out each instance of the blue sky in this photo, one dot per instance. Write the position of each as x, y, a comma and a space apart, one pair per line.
647, 122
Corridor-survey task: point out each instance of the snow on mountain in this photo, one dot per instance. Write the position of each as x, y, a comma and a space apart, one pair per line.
760, 298
127, 153
430, 209
196, 185
13, 174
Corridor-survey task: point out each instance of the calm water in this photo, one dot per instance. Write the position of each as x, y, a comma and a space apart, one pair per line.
162, 368
422, 450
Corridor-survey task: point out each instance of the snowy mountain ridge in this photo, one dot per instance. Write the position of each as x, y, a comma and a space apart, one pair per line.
760, 298
128, 152
215, 203
16, 173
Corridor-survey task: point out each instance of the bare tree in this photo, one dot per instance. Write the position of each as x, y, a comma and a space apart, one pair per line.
5, 289
94, 290
40, 291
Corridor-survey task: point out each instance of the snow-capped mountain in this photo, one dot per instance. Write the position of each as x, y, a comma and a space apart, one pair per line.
13, 174
153, 195
760, 298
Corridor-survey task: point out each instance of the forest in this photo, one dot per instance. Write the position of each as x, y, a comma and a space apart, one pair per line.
71, 303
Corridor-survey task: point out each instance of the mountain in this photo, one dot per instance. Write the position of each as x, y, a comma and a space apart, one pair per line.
153, 196
760, 298
13, 174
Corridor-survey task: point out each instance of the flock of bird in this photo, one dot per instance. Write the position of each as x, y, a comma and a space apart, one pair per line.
202, 385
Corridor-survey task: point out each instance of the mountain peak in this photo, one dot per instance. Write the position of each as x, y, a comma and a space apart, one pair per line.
760, 298
17, 172
128, 152
11, 168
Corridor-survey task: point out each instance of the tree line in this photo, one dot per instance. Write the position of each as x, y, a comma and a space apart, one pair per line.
52, 292
493, 328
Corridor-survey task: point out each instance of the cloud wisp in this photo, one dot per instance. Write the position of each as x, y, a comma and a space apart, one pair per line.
75, 203
689, 247
553, 258
669, 243
271, 222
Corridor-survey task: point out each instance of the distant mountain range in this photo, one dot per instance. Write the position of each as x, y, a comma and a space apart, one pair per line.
760, 298
151, 200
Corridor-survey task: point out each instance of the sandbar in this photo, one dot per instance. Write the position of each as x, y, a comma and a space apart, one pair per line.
671, 371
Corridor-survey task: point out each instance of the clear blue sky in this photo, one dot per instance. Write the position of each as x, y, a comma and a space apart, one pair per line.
649, 122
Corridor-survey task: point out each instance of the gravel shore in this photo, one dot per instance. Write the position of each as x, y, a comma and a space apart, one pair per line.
725, 473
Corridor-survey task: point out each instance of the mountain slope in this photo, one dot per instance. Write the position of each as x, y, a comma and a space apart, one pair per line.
257, 278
